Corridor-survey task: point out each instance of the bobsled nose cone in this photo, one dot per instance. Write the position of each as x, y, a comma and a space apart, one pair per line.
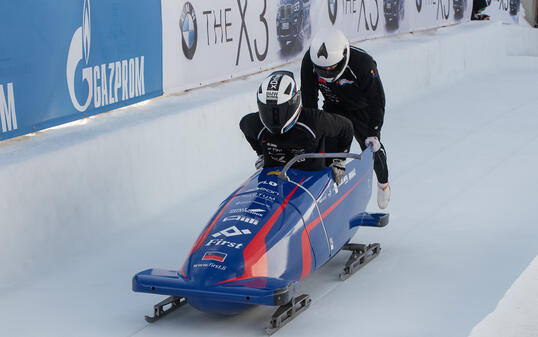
211, 274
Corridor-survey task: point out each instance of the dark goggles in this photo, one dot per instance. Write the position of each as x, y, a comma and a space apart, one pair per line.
278, 117
331, 72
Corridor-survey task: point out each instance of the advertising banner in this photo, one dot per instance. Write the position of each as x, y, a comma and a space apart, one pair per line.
506, 11
209, 41
67, 59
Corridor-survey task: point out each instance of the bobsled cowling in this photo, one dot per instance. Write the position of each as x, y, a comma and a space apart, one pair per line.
269, 234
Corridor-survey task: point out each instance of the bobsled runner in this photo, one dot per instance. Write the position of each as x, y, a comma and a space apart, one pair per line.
268, 235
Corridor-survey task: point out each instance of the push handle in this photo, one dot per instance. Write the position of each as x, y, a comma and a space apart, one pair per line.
284, 176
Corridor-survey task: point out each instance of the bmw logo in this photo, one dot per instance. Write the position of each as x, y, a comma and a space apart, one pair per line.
189, 30
333, 10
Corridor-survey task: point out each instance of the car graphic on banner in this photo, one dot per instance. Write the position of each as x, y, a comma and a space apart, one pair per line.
293, 22
394, 12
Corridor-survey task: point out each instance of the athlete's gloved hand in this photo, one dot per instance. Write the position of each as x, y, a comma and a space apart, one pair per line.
259, 162
339, 169
376, 145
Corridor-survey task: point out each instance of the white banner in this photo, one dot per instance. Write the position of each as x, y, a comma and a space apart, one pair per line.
209, 41
506, 11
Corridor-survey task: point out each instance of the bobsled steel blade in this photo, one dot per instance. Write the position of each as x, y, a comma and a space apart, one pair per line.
287, 312
360, 256
160, 310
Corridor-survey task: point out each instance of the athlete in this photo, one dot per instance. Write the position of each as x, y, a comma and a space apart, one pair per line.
349, 82
282, 128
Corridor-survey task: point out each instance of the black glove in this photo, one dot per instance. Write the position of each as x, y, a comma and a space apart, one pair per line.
339, 169
259, 162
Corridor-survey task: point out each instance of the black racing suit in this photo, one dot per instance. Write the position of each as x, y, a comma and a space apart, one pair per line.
308, 135
357, 94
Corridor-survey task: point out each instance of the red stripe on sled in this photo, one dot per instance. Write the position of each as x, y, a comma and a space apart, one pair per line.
305, 241
255, 253
201, 239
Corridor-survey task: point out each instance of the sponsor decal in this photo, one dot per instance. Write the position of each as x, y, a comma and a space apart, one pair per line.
241, 218
372, 72
8, 115
214, 20
265, 197
274, 83
344, 81
272, 96
106, 83
232, 231
333, 10
260, 56
254, 211
210, 265
221, 25
334, 191
268, 182
442, 7
189, 30
215, 256
267, 190
363, 10
223, 243
249, 202
328, 94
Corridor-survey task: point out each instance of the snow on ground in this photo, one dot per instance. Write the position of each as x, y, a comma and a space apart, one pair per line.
516, 314
135, 187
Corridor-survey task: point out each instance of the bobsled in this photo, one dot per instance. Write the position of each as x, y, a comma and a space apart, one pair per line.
273, 231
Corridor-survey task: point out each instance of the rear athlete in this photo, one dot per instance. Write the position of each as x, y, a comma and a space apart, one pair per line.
350, 84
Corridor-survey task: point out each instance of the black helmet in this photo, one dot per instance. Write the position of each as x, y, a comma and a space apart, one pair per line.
279, 102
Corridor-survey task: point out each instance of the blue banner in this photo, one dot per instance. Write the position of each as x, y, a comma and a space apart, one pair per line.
65, 60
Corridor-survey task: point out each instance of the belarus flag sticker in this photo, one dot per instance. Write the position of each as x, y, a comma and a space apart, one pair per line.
215, 256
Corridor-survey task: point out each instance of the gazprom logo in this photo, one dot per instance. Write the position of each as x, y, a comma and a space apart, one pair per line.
86, 30
105, 83
8, 117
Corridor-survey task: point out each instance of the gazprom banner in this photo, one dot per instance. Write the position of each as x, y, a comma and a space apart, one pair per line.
64, 60
209, 41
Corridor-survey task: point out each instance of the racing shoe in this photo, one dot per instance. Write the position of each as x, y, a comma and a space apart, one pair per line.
383, 195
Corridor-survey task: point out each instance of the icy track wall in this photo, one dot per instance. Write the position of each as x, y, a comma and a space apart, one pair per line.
70, 189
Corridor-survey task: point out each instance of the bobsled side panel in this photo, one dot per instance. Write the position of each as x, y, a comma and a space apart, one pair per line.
255, 254
283, 242
347, 200
338, 205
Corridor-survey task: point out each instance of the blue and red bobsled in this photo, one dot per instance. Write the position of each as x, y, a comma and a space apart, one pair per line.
267, 236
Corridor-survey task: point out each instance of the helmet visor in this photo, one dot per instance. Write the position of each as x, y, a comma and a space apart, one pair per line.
331, 73
279, 118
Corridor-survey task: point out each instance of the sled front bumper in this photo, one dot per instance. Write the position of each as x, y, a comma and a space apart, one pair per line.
262, 291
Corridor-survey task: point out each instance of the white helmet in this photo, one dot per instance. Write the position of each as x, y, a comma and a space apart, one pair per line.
279, 102
329, 52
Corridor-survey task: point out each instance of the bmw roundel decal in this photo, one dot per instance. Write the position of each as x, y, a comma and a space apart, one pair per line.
189, 30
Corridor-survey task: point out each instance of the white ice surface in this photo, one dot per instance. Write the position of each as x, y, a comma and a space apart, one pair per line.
462, 146
516, 315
